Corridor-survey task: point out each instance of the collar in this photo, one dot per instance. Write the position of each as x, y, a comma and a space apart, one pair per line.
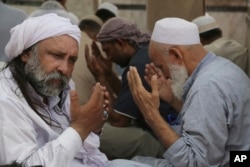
53, 101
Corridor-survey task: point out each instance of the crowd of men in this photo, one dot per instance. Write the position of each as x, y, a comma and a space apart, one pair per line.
180, 96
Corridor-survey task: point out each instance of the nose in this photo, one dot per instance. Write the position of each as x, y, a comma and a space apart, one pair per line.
63, 67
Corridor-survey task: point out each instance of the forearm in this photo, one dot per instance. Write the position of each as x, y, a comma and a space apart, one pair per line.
58, 152
111, 81
114, 82
64, 150
166, 135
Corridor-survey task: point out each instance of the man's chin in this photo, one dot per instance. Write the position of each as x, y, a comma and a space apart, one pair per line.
51, 90
50, 93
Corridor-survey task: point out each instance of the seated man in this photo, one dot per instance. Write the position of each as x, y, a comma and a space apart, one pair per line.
40, 120
126, 46
82, 77
211, 94
106, 10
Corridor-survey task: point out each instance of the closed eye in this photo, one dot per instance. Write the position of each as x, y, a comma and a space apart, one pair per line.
72, 60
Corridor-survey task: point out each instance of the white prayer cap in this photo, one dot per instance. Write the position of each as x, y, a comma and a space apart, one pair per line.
35, 29
175, 31
110, 7
205, 23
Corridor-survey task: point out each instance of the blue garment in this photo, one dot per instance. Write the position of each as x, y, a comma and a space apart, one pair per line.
9, 17
215, 117
125, 104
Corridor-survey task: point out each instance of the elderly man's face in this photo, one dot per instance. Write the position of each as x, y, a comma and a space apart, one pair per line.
171, 69
159, 60
50, 65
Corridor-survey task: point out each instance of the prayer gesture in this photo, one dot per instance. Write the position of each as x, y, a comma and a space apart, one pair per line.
97, 64
147, 102
91, 116
164, 84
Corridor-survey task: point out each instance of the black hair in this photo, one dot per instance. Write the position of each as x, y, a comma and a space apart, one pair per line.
87, 24
17, 68
104, 14
211, 35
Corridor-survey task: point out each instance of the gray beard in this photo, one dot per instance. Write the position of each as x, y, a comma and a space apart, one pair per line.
40, 80
179, 76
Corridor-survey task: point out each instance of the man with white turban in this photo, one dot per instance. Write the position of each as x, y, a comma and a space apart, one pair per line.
211, 94
41, 122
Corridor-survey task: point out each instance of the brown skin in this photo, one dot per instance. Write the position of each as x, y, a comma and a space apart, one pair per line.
119, 52
59, 54
148, 102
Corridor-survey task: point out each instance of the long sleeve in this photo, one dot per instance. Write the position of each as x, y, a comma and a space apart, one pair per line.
25, 137
203, 138
22, 140
59, 152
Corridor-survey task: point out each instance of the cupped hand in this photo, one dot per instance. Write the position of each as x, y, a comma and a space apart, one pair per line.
97, 64
148, 102
164, 84
89, 117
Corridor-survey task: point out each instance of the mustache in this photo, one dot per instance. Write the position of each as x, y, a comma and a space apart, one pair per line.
56, 76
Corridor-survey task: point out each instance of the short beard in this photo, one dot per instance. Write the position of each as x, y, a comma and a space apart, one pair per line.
40, 80
179, 76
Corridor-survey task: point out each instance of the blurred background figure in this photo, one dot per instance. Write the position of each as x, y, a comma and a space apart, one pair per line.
212, 39
58, 7
91, 25
9, 17
106, 11
83, 78
126, 133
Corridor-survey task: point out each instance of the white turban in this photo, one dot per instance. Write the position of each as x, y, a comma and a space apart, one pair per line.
35, 29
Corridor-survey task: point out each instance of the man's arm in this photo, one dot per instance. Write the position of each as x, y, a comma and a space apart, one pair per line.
149, 104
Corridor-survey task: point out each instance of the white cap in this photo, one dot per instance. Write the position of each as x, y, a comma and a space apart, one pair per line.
110, 7
205, 23
175, 31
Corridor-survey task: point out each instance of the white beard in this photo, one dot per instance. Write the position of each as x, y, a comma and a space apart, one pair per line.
179, 76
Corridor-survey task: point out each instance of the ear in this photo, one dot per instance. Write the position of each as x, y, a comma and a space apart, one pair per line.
176, 55
25, 56
121, 43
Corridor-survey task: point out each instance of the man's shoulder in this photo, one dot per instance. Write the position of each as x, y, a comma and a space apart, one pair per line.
141, 57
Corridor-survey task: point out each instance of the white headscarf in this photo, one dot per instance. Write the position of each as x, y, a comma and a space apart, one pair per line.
35, 29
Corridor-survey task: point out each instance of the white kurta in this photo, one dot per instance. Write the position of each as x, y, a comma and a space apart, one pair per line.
25, 137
